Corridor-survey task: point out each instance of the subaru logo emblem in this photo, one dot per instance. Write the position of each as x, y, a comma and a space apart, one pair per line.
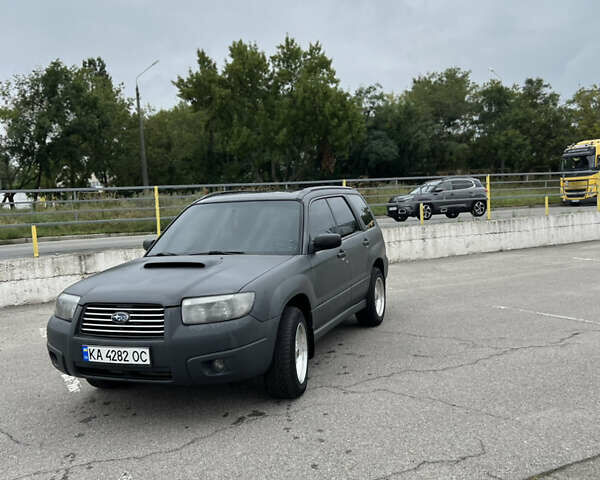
120, 317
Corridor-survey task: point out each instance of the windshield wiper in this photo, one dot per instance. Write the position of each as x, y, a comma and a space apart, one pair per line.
164, 254
218, 252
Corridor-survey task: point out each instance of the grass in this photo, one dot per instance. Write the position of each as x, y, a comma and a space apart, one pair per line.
122, 214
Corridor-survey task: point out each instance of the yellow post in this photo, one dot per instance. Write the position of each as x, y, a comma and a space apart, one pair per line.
546, 204
157, 208
36, 252
489, 199
421, 213
344, 182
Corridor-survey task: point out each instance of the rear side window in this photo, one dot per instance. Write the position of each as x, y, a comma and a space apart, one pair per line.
461, 184
365, 213
346, 223
320, 219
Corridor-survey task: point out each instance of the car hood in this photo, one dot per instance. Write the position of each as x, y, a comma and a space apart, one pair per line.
403, 198
166, 280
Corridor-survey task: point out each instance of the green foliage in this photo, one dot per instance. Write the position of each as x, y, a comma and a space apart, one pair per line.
279, 118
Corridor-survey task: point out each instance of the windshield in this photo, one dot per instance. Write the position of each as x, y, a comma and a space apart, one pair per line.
256, 228
425, 188
582, 162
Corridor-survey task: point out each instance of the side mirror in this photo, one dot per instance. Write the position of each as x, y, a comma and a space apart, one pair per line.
438, 190
147, 244
326, 241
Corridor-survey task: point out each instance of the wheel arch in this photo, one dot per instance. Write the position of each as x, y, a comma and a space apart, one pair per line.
302, 302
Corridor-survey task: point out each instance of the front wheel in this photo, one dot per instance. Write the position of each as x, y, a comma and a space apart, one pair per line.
478, 208
427, 211
372, 315
288, 375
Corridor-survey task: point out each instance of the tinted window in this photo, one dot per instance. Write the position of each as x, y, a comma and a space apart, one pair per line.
365, 214
258, 227
462, 184
320, 219
344, 218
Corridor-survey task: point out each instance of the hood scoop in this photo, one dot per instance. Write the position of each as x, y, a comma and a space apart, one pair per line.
174, 264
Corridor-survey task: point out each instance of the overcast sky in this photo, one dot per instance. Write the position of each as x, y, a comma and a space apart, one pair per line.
388, 42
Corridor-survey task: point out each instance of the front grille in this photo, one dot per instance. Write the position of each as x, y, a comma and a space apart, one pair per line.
575, 193
144, 321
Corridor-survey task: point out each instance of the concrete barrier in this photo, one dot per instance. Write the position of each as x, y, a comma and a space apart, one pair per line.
462, 238
29, 280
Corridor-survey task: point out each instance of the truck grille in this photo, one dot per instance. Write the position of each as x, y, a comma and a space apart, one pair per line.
144, 321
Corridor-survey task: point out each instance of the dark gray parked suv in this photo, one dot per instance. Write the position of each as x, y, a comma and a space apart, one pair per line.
451, 195
239, 285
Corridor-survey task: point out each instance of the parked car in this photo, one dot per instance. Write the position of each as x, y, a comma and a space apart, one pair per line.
239, 285
450, 196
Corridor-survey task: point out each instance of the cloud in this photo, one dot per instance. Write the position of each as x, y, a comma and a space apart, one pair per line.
389, 42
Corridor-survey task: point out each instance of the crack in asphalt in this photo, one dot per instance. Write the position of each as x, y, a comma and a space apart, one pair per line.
442, 461
416, 397
249, 419
505, 351
14, 439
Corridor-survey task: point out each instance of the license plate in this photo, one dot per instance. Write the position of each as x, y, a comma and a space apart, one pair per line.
393, 208
120, 355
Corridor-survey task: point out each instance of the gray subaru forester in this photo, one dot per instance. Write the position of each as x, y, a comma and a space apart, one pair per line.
238, 286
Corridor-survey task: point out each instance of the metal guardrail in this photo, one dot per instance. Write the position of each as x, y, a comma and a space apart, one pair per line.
77, 210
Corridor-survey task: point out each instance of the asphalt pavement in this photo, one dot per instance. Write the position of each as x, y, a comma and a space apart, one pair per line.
485, 367
95, 244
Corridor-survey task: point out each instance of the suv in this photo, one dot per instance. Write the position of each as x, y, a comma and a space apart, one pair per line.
451, 196
239, 285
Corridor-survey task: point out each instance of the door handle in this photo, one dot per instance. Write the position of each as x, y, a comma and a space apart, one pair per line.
341, 254
366, 242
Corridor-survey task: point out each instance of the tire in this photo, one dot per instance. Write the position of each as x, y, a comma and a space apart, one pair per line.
287, 376
373, 314
427, 212
478, 208
401, 218
452, 214
105, 384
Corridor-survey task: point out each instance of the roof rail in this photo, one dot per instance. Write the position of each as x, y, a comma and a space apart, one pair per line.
225, 192
325, 187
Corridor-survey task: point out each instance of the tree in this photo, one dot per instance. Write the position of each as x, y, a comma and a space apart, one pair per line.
278, 118
62, 124
585, 110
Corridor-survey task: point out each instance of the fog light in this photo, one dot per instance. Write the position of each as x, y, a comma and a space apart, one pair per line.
218, 365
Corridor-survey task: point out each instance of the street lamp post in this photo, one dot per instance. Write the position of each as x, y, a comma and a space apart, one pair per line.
145, 180
495, 73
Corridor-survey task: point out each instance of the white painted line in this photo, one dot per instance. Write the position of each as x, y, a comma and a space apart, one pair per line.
43, 332
73, 385
544, 314
587, 259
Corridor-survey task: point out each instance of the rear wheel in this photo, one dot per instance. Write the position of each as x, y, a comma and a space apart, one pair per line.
373, 314
288, 375
401, 218
452, 214
478, 208
105, 384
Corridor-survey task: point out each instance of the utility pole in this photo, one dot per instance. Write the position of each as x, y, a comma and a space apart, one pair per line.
145, 180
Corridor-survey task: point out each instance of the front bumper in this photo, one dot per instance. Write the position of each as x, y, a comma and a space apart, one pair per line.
183, 356
397, 210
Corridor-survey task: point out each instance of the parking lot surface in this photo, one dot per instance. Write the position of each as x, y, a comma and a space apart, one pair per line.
485, 367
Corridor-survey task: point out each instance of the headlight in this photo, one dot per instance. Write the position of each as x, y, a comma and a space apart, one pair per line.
65, 306
217, 308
